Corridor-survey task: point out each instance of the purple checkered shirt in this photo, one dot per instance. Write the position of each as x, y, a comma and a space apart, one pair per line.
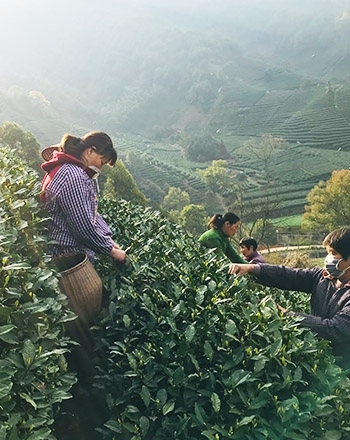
75, 226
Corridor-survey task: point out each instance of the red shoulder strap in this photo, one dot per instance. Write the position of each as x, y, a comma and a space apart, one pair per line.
46, 180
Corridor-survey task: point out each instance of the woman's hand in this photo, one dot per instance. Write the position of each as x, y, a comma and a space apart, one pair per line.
118, 254
282, 309
240, 269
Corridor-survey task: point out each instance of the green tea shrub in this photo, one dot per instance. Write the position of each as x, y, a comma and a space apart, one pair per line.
33, 371
193, 354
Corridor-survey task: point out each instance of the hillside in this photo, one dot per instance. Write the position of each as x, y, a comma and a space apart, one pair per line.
314, 121
163, 74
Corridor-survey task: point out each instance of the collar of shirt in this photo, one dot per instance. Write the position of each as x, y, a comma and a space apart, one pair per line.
327, 276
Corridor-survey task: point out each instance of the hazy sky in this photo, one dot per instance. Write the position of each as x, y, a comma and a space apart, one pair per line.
37, 34
32, 19
33, 16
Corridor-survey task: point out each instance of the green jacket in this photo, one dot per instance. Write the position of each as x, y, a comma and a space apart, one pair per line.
215, 238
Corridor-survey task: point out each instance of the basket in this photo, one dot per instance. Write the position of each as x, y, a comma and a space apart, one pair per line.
83, 287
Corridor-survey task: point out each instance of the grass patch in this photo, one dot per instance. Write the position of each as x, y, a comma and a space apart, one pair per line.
285, 222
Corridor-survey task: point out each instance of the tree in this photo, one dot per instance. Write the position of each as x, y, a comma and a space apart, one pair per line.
218, 183
202, 94
328, 203
262, 149
204, 148
121, 184
13, 135
214, 204
216, 177
194, 219
176, 199
174, 202
264, 232
39, 100
109, 191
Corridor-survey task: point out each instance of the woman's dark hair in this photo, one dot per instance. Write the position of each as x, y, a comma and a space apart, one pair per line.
249, 241
339, 240
218, 220
98, 140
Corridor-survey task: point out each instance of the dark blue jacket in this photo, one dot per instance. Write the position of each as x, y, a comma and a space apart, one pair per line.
329, 315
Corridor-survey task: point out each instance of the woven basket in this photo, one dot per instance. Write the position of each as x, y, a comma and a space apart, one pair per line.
83, 287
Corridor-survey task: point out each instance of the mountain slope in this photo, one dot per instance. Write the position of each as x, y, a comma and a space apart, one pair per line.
153, 75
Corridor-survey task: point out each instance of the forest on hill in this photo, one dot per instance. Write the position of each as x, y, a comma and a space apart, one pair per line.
157, 77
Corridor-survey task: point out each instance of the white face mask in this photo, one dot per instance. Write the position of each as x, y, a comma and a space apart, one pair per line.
331, 265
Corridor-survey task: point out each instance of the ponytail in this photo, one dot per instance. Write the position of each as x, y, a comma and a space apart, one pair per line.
218, 220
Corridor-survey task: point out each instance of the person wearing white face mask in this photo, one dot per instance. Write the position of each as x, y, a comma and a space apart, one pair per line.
329, 289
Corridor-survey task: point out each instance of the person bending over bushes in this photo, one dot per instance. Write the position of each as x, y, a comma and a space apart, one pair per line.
329, 288
221, 229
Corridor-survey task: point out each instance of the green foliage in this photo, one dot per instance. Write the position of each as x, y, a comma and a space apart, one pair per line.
328, 203
173, 203
205, 148
214, 203
121, 185
23, 142
192, 354
155, 177
202, 94
172, 78
176, 199
109, 191
216, 177
33, 371
194, 219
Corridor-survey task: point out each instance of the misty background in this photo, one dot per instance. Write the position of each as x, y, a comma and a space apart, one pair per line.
97, 63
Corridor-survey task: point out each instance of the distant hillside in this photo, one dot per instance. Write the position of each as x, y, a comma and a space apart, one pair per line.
155, 77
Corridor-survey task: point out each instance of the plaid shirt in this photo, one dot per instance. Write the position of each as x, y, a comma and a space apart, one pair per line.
330, 306
75, 225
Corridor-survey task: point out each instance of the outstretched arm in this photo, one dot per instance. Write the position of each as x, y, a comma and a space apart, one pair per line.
242, 269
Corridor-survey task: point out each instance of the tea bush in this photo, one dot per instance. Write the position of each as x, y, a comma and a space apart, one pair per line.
33, 372
193, 354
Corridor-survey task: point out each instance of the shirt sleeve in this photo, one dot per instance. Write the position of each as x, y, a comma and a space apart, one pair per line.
335, 329
288, 278
101, 226
77, 201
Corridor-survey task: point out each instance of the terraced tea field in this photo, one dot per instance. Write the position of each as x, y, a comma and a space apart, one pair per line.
315, 122
313, 119
318, 116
